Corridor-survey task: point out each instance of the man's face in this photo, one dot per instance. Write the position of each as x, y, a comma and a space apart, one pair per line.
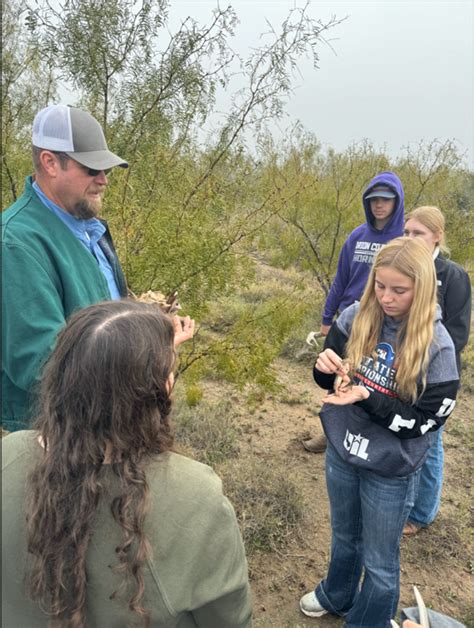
78, 191
381, 209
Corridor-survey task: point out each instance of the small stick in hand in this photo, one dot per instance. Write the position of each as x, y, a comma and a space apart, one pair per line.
343, 379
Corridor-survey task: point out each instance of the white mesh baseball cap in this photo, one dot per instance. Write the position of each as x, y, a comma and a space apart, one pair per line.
76, 133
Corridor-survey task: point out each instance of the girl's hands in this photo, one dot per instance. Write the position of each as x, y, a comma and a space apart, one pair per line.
345, 393
329, 362
345, 396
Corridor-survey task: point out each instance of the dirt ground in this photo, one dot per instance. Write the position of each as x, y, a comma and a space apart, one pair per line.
439, 560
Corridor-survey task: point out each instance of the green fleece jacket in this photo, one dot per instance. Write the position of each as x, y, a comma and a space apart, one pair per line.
196, 577
47, 274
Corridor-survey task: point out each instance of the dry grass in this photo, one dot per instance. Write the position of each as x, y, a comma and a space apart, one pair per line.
267, 501
467, 366
444, 542
207, 431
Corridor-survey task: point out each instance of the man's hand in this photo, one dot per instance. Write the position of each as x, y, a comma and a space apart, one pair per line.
324, 329
183, 329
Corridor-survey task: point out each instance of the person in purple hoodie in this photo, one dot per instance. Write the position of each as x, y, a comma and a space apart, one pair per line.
383, 201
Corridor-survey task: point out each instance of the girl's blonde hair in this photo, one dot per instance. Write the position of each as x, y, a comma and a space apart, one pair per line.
433, 219
411, 257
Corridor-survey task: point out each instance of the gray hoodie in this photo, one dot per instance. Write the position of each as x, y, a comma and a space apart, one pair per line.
383, 433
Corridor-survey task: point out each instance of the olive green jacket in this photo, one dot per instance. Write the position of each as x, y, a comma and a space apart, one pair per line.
196, 577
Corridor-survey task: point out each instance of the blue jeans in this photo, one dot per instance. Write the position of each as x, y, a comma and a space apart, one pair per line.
368, 512
428, 498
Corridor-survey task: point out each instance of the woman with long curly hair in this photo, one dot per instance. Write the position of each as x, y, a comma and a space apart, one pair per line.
392, 368
103, 525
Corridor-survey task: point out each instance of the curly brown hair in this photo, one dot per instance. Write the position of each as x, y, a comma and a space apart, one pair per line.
104, 398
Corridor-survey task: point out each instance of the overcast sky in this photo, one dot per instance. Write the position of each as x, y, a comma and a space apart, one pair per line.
399, 71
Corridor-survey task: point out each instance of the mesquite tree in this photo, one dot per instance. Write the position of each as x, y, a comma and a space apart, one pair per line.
186, 212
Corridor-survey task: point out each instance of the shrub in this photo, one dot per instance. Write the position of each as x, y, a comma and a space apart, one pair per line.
467, 367
194, 395
268, 503
208, 429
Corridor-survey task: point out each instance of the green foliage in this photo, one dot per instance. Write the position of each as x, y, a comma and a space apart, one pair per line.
320, 201
194, 395
433, 174
199, 216
322, 197
27, 85
252, 327
99, 45
168, 243
294, 347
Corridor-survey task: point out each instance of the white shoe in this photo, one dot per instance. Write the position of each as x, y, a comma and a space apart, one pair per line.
310, 606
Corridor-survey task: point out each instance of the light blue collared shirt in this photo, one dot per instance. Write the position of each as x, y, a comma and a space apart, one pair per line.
88, 232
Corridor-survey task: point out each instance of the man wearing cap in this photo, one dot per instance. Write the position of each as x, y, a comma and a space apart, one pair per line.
57, 256
383, 201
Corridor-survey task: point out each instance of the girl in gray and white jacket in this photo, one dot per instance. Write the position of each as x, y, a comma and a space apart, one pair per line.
401, 386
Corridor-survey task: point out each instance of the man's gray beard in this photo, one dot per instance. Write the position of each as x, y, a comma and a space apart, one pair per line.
84, 210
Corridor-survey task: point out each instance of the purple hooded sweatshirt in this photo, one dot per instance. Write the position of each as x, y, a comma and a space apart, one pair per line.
360, 248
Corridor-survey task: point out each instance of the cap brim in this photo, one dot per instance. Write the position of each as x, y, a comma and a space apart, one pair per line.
98, 159
381, 195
